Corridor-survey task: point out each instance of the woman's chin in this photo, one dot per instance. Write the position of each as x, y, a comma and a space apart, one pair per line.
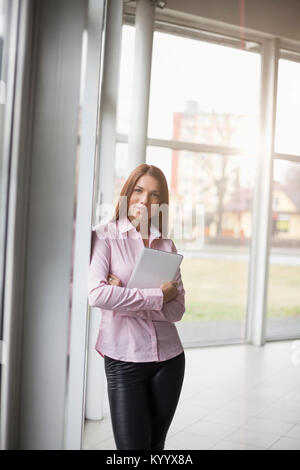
140, 219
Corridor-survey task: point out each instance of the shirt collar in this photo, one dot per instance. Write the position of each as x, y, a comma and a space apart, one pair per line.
125, 225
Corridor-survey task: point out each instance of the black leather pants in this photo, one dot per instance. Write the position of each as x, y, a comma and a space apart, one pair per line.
143, 397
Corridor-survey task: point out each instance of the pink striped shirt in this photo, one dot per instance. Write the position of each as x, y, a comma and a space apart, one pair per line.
136, 325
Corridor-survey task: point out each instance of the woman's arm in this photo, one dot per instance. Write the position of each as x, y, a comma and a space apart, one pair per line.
103, 295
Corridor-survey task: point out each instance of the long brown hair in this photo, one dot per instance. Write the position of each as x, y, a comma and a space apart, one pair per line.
128, 188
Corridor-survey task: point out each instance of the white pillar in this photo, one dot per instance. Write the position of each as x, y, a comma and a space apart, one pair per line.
75, 410
95, 379
137, 138
105, 188
108, 104
258, 282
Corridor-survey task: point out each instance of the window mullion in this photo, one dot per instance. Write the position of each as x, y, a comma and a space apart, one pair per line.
260, 243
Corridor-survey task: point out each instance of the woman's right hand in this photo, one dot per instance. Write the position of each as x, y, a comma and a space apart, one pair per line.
169, 290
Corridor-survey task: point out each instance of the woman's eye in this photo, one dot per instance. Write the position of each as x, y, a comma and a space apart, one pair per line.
155, 196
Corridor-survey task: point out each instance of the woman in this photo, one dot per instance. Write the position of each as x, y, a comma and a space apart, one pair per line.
143, 355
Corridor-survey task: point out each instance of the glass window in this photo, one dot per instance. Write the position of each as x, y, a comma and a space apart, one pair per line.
288, 108
203, 92
283, 310
125, 80
210, 223
120, 169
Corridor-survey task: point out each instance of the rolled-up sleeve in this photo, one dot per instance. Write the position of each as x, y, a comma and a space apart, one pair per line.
103, 295
171, 311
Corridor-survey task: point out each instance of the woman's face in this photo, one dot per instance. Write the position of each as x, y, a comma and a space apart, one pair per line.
145, 192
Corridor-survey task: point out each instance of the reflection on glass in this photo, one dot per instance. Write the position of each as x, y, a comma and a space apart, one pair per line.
283, 311
288, 108
203, 92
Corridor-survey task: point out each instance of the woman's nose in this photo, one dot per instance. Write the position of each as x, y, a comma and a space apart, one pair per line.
144, 200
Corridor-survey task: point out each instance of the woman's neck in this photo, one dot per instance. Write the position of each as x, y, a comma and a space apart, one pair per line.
138, 226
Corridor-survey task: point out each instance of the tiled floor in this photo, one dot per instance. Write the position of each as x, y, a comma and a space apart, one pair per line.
233, 397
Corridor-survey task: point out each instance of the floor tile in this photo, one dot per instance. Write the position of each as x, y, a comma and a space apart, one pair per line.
191, 441
233, 397
267, 425
293, 432
286, 443
228, 445
255, 438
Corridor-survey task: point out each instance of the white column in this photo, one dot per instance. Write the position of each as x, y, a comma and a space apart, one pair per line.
108, 106
75, 409
144, 22
105, 187
259, 264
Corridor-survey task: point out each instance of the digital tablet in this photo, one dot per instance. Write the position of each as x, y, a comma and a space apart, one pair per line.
154, 267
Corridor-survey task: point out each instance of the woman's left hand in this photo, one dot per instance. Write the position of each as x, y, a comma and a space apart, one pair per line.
114, 280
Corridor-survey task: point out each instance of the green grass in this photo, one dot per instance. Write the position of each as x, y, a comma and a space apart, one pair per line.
217, 290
